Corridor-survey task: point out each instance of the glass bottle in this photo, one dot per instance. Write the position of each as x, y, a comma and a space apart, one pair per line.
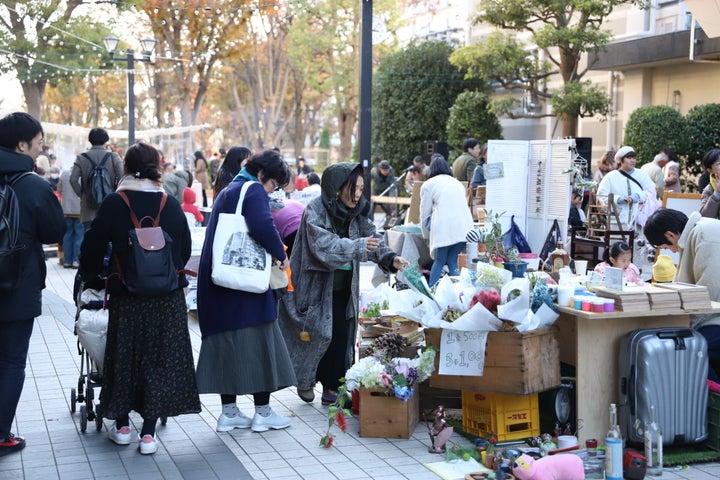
613, 448
559, 258
653, 446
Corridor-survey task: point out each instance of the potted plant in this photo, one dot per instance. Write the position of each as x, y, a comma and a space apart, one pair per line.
386, 382
497, 252
513, 262
492, 238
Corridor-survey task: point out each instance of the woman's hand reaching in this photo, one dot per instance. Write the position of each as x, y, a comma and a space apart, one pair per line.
400, 263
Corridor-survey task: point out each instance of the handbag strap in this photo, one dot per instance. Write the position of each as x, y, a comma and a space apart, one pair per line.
624, 173
133, 217
243, 190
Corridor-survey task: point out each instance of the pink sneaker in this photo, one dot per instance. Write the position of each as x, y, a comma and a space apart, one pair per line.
121, 437
147, 445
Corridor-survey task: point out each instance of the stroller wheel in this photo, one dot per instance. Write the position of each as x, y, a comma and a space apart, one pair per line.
73, 400
163, 421
83, 418
98, 422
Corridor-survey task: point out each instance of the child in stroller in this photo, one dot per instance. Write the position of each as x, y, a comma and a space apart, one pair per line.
91, 321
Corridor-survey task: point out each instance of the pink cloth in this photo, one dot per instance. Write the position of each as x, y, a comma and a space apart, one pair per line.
631, 274
287, 219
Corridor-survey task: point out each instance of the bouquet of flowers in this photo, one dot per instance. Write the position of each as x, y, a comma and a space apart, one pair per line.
384, 369
398, 375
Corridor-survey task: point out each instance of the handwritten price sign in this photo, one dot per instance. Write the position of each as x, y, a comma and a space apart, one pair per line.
462, 353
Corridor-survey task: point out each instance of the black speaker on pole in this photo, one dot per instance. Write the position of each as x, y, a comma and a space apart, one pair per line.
434, 146
583, 145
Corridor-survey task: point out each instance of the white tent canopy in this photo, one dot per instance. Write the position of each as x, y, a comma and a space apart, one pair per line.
68, 141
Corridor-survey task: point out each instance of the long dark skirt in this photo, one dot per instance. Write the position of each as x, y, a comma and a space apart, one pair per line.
148, 358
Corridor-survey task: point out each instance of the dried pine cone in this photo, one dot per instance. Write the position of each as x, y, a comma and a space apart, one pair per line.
390, 345
508, 326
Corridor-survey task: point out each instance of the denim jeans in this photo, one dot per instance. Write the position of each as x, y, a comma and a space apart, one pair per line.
74, 234
712, 335
446, 256
14, 343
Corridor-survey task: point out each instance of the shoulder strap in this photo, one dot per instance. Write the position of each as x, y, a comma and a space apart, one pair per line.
104, 159
624, 173
137, 223
92, 162
13, 179
246, 185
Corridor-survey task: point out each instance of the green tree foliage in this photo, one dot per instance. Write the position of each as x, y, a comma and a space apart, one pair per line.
471, 116
413, 90
704, 126
564, 31
653, 127
47, 42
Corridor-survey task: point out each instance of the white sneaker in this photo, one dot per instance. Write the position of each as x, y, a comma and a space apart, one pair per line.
147, 444
225, 423
121, 437
274, 421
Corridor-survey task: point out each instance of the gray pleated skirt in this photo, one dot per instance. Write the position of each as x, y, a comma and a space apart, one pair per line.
245, 361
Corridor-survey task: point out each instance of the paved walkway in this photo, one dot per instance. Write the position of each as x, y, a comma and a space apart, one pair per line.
189, 446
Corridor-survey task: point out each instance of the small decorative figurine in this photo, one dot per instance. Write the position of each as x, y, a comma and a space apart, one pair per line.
546, 444
440, 432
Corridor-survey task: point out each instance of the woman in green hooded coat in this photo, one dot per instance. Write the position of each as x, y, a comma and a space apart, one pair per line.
319, 318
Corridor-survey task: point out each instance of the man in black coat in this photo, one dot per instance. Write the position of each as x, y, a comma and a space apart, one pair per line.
41, 222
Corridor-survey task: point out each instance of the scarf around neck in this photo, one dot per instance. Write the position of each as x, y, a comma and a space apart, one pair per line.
129, 182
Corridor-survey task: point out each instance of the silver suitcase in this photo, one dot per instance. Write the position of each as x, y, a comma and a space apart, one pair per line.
667, 368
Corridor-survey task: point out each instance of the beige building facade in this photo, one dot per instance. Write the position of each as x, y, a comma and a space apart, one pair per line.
656, 57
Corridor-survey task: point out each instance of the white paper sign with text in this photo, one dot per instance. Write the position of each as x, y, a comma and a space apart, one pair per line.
462, 353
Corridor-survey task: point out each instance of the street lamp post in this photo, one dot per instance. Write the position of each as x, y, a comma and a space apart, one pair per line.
148, 44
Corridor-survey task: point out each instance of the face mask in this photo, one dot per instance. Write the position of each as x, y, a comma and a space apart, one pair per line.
54, 176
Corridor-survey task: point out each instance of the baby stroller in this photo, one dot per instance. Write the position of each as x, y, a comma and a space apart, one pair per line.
91, 321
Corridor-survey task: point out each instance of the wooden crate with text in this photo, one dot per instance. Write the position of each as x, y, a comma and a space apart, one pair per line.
516, 363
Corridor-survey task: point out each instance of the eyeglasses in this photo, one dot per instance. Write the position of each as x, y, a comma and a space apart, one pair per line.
276, 186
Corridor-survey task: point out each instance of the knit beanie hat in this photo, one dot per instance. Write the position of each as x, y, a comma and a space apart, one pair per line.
663, 270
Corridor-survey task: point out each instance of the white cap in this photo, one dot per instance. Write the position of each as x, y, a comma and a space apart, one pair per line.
623, 152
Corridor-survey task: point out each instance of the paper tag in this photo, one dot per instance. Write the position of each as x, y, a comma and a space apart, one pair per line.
462, 352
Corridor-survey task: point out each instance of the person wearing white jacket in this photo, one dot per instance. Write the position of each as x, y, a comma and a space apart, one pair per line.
629, 185
445, 217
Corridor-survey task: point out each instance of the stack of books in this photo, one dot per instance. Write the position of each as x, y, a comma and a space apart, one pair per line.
692, 297
630, 300
661, 299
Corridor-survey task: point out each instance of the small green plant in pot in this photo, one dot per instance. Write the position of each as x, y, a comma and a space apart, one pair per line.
497, 252
493, 237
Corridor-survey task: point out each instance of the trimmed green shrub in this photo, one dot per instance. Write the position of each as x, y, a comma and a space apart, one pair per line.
704, 126
653, 127
471, 116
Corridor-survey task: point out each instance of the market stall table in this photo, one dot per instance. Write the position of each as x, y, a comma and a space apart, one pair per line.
591, 342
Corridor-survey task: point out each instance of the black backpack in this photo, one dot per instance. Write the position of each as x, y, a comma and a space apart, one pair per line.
150, 269
99, 181
10, 248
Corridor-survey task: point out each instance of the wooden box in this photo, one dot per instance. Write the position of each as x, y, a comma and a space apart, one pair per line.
382, 416
515, 363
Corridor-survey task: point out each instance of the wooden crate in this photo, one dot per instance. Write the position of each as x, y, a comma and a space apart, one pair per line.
515, 363
382, 416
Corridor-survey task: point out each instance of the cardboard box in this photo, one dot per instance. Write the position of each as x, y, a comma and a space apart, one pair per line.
382, 416
515, 363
